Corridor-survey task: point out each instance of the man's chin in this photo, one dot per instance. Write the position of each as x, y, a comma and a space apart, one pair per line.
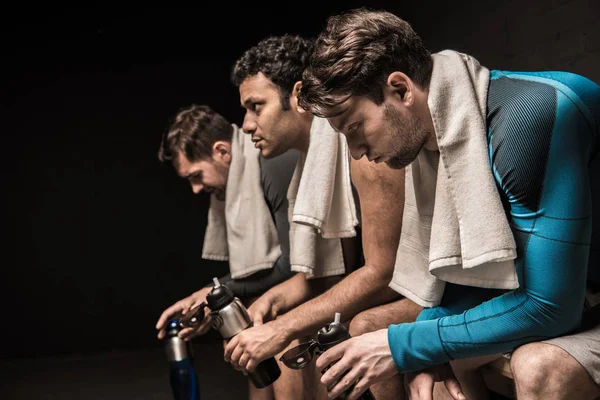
269, 152
397, 163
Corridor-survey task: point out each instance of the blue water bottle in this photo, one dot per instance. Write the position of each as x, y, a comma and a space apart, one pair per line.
184, 381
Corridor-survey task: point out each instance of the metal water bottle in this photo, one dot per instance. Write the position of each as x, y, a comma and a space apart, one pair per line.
230, 317
184, 381
330, 335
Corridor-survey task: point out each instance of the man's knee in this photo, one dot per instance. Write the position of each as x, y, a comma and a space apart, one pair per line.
539, 367
364, 322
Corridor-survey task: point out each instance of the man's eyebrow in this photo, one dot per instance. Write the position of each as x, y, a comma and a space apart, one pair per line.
249, 101
343, 121
191, 174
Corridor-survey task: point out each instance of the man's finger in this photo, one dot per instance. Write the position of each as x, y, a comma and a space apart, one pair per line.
345, 382
167, 314
336, 371
419, 386
257, 320
236, 354
422, 392
186, 333
359, 388
185, 308
243, 361
454, 388
251, 366
229, 347
452, 384
332, 355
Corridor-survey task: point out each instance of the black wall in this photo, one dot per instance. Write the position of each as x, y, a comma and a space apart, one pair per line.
99, 237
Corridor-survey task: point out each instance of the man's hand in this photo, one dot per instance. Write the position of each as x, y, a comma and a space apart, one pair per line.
262, 310
419, 385
253, 345
360, 362
181, 308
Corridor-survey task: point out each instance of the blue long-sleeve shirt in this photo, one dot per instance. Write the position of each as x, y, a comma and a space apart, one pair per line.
543, 139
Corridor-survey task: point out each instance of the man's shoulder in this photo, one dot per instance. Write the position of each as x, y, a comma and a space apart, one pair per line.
276, 173
277, 165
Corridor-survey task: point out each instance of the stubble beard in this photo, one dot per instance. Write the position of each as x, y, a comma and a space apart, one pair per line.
413, 136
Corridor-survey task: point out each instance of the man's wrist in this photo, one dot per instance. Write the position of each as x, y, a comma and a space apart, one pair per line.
284, 328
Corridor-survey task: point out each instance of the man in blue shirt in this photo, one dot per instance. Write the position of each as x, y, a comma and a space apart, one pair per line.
374, 80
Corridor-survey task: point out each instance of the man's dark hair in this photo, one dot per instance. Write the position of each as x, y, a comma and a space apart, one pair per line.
193, 132
280, 58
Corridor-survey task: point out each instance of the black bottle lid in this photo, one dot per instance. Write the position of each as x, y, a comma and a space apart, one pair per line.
332, 334
219, 296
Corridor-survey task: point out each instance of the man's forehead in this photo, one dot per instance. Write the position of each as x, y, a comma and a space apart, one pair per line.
185, 167
255, 86
249, 97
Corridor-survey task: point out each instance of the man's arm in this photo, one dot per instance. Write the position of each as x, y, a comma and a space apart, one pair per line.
381, 193
287, 295
257, 283
541, 164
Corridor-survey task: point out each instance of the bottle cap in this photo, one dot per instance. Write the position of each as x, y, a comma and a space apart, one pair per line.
332, 333
172, 328
219, 296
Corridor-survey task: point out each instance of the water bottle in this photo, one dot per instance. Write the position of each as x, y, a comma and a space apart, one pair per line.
184, 381
230, 317
330, 335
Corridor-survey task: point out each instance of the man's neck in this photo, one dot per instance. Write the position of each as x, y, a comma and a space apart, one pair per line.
431, 143
303, 141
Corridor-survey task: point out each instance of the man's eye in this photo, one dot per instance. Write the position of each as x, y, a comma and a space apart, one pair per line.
353, 128
256, 107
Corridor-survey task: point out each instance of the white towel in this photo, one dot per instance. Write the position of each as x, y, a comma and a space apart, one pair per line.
241, 229
454, 226
321, 204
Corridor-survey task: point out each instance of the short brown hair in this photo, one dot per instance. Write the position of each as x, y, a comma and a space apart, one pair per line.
193, 132
355, 54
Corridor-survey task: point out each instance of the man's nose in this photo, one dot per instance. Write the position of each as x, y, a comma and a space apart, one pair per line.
357, 152
197, 188
356, 147
249, 126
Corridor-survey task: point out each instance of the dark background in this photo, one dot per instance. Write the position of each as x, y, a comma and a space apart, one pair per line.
99, 237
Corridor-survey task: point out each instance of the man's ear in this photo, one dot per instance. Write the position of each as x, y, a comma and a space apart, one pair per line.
221, 150
294, 97
401, 88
